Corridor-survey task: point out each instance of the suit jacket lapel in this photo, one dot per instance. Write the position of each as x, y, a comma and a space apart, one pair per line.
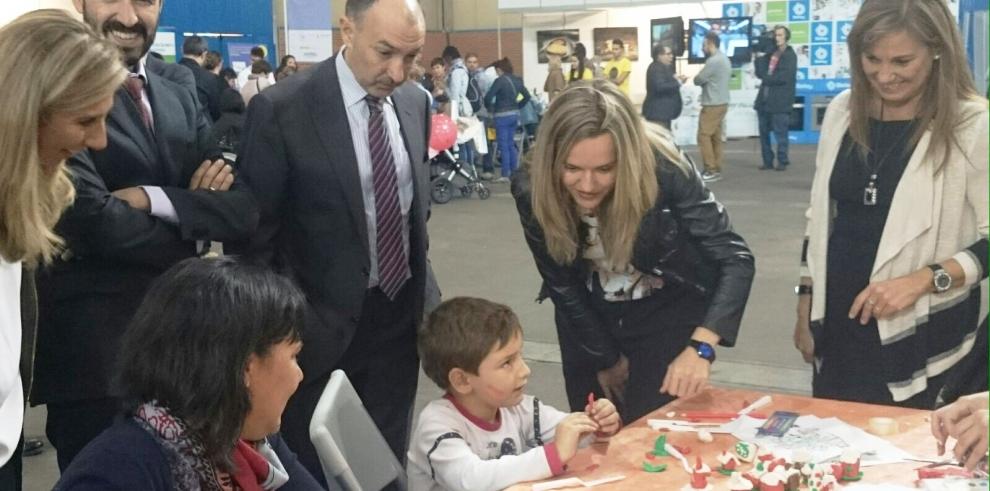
407, 126
163, 103
126, 117
330, 120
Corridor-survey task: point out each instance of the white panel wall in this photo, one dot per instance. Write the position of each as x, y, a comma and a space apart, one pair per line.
10, 10
585, 21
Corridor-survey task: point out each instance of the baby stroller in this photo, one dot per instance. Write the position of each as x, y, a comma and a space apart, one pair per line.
445, 167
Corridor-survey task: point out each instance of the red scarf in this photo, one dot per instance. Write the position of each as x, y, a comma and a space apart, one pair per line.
252, 468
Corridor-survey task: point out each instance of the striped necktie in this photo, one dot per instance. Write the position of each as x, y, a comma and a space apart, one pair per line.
393, 267
135, 87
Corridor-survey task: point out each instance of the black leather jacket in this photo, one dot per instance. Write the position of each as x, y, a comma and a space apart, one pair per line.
686, 238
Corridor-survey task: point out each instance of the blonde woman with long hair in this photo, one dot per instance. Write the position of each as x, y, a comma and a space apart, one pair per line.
640, 260
58, 78
896, 239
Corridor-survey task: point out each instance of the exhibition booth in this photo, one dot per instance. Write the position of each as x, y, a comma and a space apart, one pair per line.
818, 36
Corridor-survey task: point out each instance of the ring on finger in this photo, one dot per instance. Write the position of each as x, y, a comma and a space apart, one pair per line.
871, 301
877, 309
212, 188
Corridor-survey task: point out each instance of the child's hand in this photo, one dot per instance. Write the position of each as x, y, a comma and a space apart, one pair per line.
568, 433
604, 414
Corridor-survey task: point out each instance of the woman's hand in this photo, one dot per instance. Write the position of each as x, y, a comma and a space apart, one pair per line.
687, 375
803, 340
885, 299
965, 420
613, 380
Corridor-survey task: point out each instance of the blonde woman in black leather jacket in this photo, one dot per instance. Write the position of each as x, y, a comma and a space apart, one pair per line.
640, 260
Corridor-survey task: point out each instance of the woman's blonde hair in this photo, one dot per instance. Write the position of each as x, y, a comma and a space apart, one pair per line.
586, 110
950, 82
52, 64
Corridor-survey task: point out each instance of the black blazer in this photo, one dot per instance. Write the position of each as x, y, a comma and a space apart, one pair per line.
298, 158
663, 94
207, 87
700, 233
87, 297
776, 93
126, 457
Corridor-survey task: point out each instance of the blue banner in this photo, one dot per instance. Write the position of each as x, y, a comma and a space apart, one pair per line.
832, 85
821, 54
798, 10
821, 32
733, 10
842, 29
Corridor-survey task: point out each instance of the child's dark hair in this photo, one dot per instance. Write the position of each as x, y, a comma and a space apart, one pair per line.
460, 333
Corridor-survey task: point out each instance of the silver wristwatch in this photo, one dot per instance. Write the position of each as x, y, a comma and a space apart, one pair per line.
941, 280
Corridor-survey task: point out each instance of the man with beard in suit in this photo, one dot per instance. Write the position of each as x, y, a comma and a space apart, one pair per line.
154, 196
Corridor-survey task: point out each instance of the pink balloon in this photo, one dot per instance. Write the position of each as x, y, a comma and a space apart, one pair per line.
443, 132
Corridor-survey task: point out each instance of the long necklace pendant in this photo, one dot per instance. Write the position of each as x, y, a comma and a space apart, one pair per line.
870, 193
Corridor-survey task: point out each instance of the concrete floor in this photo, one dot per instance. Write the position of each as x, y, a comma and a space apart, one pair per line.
477, 249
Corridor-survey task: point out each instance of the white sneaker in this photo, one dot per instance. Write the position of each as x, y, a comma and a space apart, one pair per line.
711, 176
502, 179
488, 176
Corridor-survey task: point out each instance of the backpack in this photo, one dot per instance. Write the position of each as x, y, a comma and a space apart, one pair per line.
474, 94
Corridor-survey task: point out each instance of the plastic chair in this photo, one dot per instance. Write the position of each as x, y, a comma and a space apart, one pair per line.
352, 451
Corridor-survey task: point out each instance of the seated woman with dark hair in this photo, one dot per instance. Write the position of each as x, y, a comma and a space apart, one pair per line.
206, 368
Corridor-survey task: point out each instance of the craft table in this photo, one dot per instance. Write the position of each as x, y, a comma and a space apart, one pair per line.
625, 453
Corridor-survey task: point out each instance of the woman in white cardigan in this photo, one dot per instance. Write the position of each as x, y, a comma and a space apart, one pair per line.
58, 78
896, 242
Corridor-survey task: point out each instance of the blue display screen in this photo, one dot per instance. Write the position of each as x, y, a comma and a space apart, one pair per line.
734, 33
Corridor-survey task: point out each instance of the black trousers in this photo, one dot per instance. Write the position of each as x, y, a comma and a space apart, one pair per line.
72, 425
382, 365
650, 332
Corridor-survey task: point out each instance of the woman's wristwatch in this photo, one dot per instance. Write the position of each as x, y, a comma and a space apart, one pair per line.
802, 290
941, 279
704, 350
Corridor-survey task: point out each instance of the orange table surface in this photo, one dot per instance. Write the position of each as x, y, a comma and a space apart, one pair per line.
625, 452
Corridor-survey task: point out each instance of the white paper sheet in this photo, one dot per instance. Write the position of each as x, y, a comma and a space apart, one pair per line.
823, 439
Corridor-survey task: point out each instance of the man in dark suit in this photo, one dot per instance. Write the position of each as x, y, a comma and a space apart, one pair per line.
145, 202
194, 50
336, 157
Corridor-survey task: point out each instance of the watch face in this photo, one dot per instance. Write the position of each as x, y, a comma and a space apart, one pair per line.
705, 350
942, 281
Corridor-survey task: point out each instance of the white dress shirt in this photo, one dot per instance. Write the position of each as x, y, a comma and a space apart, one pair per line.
161, 206
357, 116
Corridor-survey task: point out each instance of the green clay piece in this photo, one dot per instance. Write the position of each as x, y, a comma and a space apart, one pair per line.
648, 467
659, 447
858, 477
726, 472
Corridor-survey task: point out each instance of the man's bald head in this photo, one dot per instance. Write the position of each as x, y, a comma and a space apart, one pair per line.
355, 9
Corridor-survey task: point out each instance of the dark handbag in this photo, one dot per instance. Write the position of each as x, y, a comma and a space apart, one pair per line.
664, 249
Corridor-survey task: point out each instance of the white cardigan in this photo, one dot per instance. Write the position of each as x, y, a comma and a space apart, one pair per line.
932, 218
11, 393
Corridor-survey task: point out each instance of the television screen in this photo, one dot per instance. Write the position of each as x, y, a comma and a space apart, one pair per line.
734, 33
669, 31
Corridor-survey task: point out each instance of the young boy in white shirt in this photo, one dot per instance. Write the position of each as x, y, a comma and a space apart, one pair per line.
486, 433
